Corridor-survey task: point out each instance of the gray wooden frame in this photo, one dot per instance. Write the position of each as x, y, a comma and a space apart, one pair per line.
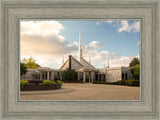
14, 10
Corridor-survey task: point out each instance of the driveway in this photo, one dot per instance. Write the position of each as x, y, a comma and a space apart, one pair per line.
86, 91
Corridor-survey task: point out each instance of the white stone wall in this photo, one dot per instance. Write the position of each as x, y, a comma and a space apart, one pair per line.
29, 74
113, 75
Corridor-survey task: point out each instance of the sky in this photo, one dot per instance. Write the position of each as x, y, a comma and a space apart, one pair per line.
50, 42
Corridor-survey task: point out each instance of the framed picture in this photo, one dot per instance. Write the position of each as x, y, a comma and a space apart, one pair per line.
26, 30
60, 63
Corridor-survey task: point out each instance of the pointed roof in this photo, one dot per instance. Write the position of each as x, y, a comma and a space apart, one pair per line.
71, 63
85, 63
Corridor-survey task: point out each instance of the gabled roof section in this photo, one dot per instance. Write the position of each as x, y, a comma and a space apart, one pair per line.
65, 65
71, 63
77, 61
85, 63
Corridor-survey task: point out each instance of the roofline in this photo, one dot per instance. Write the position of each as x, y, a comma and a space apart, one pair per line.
87, 62
64, 63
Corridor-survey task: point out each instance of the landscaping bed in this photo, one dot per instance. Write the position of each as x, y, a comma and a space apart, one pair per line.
45, 85
32, 86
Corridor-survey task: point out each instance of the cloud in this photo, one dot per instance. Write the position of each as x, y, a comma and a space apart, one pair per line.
46, 61
44, 38
95, 45
42, 28
121, 61
124, 26
98, 58
109, 21
97, 23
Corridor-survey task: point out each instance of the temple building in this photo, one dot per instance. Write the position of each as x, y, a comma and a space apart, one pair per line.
85, 71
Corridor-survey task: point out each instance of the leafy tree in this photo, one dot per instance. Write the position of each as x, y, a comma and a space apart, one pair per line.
30, 63
23, 69
69, 75
135, 61
135, 70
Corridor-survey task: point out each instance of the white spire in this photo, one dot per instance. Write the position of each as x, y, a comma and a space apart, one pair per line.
108, 61
80, 47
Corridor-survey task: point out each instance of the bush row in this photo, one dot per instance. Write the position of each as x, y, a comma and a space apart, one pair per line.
121, 82
45, 82
99, 82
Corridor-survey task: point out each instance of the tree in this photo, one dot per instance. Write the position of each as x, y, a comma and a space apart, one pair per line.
69, 75
135, 61
135, 70
23, 69
30, 63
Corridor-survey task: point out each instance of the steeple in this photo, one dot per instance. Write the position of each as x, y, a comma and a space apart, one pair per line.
80, 48
108, 61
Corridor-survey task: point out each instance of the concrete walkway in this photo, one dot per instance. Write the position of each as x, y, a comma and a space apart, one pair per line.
87, 91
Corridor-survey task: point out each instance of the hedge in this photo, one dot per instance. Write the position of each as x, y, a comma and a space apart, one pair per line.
132, 82
60, 82
23, 83
99, 82
48, 82
121, 82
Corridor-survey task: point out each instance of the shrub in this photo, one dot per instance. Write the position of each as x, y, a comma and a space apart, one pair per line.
60, 82
118, 83
99, 82
132, 82
35, 81
69, 75
48, 82
121, 82
23, 83
53, 82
